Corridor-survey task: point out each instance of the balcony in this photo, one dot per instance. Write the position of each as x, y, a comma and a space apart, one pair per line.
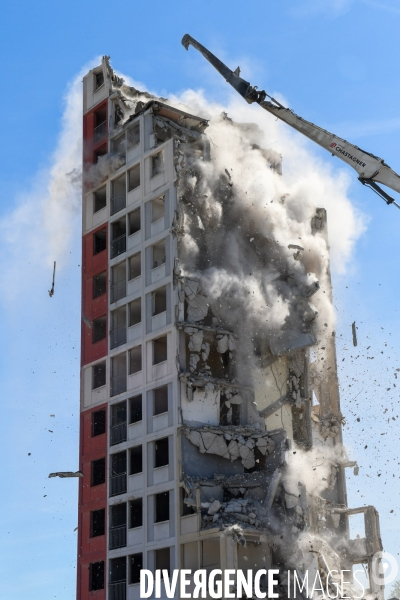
118, 484
117, 537
117, 591
117, 337
118, 384
99, 132
118, 245
118, 290
118, 434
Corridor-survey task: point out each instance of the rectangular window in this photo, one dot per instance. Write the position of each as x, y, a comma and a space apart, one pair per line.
133, 136
135, 360
161, 453
136, 513
118, 282
99, 241
99, 375
97, 522
161, 507
162, 559
159, 301
118, 571
134, 178
160, 400
117, 537
160, 350
118, 473
99, 330
100, 124
186, 509
99, 284
99, 199
135, 266
136, 460
98, 471
118, 237
157, 164
134, 221
118, 194
118, 374
136, 564
158, 254
118, 431
98, 422
96, 576
135, 404
157, 208
135, 312
98, 80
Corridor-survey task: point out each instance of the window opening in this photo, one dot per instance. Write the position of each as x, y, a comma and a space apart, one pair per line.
160, 350
135, 312
99, 241
99, 199
99, 329
134, 178
135, 266
161, 454
135, 404
98, 472
136, 460
134, 221
98, 422
160, 400
99, 284
99, 375
161, 507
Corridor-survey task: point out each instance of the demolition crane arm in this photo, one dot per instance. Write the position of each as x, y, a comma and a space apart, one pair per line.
371, 169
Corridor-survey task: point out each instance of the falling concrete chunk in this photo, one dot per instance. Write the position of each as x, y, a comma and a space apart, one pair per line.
64, 474
354, 331
205, 352
196, 340
236, 399
214, 508
197, 308
272, 488
191, 287
295, 247
290, 500
51, 291
222, 343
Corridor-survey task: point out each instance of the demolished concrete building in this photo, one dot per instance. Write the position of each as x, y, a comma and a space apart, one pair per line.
211, 431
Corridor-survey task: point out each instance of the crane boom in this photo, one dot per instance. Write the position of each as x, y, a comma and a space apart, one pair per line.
371, 169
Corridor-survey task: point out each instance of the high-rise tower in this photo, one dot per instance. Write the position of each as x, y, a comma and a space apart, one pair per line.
203, 403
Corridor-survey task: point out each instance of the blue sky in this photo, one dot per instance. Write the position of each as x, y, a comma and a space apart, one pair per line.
336, 63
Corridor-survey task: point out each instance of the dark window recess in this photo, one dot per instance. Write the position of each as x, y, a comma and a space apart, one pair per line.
157, 208
99, 199
160, 350
136, 513
118, 423
98, 471
118, 515
157, 164
99, 284
135, 312
99, 330
97, 522
118, 569
117, 537
99, 241
98, 80
100, 124
134, 178
98, 422
118, 240
135, 266
118, 114
96, 576
134, 221
136, 460
136, 564
133, 136
158, 254
161, 454
118, 474
162, 556
118, 194
135, 404
160, 400
99, 375
159, 301
161, 507
135, 360
186, 509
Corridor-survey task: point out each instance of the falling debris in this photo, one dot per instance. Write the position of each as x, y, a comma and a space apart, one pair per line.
87, 322
64, 474
354, 332
51, 291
